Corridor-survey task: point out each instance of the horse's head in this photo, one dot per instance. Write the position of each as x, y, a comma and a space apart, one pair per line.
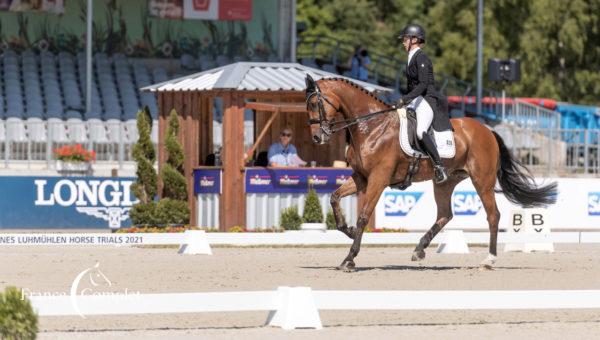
322, 107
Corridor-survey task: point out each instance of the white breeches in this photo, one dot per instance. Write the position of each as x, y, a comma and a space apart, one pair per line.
424, 115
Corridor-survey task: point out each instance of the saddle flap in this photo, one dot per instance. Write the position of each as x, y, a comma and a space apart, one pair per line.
409, 142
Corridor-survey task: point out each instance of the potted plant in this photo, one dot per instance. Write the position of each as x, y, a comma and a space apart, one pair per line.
312, 216
74, 159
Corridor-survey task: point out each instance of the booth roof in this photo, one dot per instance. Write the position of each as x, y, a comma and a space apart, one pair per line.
252, 76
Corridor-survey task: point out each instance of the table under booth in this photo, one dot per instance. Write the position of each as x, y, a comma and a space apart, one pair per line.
238, 192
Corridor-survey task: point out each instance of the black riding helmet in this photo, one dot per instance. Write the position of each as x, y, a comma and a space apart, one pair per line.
413, 30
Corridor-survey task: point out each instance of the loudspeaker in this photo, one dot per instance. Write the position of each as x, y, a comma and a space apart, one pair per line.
504, 70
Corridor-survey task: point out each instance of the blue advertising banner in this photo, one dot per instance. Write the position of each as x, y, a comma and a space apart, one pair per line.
296, 180
207, 181
65, 202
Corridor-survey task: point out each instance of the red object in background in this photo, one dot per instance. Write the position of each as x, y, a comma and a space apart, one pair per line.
201, 5
235, 10
543, 102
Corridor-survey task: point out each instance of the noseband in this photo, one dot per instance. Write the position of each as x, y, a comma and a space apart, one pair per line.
329, 127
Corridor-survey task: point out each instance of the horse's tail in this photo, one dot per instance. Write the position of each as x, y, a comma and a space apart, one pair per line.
517, 183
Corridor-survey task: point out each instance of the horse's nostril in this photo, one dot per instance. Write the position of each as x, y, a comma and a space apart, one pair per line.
316, 139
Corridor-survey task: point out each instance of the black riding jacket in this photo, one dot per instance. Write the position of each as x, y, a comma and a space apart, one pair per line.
420, 82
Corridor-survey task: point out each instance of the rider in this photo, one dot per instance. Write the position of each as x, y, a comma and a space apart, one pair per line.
422, 96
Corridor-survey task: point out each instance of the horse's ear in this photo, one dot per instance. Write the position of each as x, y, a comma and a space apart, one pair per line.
310, 83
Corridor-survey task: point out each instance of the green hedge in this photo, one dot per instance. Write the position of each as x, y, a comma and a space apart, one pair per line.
17, 319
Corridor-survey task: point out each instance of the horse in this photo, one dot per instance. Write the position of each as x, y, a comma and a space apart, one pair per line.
377, 160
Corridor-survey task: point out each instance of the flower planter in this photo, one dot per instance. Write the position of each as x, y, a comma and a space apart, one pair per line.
73, 168
313, 226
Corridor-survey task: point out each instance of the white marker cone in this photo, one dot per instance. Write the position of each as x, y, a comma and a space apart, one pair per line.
453, 242
537, 224
518, 219
297, 309
195, 242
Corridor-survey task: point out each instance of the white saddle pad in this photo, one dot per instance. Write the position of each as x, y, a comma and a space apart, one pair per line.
443, 140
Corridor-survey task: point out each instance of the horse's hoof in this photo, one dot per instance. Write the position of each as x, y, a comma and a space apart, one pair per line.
484, 267
418, 255
488, 263
347, 266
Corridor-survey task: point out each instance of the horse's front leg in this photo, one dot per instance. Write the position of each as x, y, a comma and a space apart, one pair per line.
346, 189
375, 186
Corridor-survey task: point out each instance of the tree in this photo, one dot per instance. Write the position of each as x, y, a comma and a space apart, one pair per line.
312, 208
173, 207
145, 186
555, 40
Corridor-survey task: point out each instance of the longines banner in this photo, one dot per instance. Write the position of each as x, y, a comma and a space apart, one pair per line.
577, 206
65, 202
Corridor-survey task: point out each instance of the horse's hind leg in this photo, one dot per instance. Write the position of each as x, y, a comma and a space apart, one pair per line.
443, 194
485, 189
488, 199
346, 189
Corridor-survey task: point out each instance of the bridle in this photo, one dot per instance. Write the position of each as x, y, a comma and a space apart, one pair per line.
328, 127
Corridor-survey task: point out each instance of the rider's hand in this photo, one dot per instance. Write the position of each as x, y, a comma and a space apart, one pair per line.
400, 103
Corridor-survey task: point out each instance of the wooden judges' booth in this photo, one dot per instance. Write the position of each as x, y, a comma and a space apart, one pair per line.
275, 93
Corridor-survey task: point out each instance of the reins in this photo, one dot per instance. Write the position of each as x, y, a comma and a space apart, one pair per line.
329, 127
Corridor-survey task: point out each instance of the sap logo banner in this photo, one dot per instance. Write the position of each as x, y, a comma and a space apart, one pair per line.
594, 203
400, 203
466, 203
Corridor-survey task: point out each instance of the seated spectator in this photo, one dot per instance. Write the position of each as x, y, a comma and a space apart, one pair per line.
283, 153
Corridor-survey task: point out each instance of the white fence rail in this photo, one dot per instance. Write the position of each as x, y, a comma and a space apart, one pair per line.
295, 307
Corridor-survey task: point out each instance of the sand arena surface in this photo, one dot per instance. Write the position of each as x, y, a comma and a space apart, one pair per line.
162, 270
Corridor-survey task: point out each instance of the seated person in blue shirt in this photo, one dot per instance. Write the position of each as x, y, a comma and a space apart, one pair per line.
283, 153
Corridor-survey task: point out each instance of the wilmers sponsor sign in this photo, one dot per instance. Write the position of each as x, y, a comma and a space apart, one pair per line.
66, 202
207, 181
294, 180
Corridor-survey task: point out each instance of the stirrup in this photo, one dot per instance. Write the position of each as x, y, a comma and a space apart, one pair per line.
441, 175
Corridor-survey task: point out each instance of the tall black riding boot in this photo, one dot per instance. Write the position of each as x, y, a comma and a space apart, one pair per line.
440, 172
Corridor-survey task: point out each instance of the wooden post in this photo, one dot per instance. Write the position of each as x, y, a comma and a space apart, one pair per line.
232, 209
165, 100
260, 136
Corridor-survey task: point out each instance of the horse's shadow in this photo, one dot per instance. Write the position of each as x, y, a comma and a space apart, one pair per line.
417, 268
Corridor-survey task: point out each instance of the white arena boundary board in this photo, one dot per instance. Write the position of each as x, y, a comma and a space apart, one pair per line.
294, 307
330, 237
577, 206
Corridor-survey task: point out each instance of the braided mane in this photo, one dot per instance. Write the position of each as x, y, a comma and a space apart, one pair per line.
355, 85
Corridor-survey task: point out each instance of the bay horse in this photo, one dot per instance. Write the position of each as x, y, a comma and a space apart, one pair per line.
378, 161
